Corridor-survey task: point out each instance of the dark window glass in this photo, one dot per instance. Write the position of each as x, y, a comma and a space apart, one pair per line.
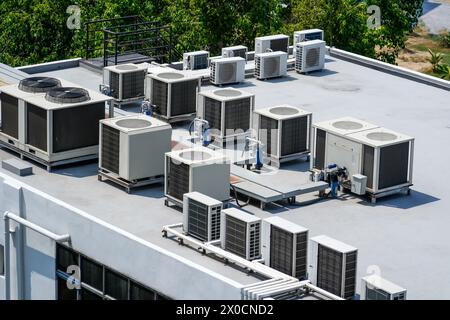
64, 293
2, 260
65, 258
161, 297
88, 295
92, 273
116, 286
138, 292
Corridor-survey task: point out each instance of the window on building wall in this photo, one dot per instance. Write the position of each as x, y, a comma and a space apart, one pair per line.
138, 292
92, 273
116, 285
2, 260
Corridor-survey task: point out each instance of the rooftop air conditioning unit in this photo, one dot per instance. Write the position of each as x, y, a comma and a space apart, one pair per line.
333, 266
279, 42
227, 70
310, 56
174, 94
241, 233
228, 112
13, 106
285, 132
285, 247
133, 147
196, 60
197, 169
236, 51
374, 287
201, 216
270, 65
126, 81
308, 35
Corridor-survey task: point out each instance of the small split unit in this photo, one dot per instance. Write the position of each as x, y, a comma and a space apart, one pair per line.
196, 169
235, 51
285, 247
51, 121
201, 216
310, 56
241, 233
308, 35
382, 156
196, 60
374, 287
279, 42
126, 81
174, 94
133, 147
270, 65
228, 112
285, 132
333, 266
227, 70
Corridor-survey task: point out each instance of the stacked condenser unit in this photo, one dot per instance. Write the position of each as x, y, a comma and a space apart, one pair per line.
241, 233
132, 148
174, 94
307, 35
126, 81
374, 287
310, 56
196, 60
285, 132
228, 112
333, 266
227, 70
270, 65
285, 247
380, 158
279, 42
50, 121
236, 51
201, 216
196, 169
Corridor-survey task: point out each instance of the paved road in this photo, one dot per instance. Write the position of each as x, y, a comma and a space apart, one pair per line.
436, 15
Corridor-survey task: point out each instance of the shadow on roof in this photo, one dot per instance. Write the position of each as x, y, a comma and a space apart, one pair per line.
78, 170
401, 201
322, 73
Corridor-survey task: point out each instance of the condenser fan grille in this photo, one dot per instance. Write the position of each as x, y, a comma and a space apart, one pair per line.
67, 95
312, 57
227, 73
272, 67
38, 84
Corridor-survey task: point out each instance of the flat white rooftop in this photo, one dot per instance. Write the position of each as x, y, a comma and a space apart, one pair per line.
402, 236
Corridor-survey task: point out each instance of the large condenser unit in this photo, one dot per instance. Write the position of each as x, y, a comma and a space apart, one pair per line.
374, 287
196, 60
333, 266
228, 112
201, 216
126, 81
270, 65
133, 147
235, 51
174, 94
241, 233
196, 169
285, 131
285, 247
310, 56
227, 70
279, 42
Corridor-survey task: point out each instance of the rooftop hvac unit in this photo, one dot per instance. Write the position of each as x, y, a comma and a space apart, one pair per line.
270, 65
374, 287
307, 35
196, 60
133, 147
197, 169
285, 247
126, 81
241, 233
333, 266
228, 112
13, 104
174, 94
285, 132
279, 42
201, 216
310, 56
236, 51
227, 70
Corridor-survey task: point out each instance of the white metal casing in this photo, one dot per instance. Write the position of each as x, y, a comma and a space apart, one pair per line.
194, 60
234, 51
389, 290
359, 184
121, 70
251, 224
142, 145
270, 65
307, 35
213, 215
310, 56
264, 44
209, 172
227, 70
285, 225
